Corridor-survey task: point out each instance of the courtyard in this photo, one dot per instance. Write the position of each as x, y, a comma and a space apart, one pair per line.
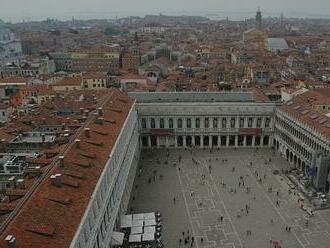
227, 198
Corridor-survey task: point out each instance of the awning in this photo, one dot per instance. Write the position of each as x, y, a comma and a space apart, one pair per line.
117, 238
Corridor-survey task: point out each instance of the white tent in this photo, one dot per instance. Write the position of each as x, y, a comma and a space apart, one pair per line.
135, 238
151, 222
148, 237
149, 216
137, 230
137, 223
138, 217
117, 238
149, 229
126, 221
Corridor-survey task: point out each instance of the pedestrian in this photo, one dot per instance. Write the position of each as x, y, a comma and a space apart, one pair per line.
185, 241
202, 240
289, 228
174, 200
180, 241
221, 218
183, 234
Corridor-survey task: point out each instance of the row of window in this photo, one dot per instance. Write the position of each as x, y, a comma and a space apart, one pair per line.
207, 122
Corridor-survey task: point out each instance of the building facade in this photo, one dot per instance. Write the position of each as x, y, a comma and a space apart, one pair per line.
241, 123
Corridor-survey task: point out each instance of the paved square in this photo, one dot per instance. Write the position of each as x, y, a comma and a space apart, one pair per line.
220, 197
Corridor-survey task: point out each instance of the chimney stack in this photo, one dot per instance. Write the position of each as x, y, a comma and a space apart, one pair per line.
61, 161
99, 120
11, 241
20, 183
77, 142
87, 133
100, 111
12, 182
43, 137
56, 180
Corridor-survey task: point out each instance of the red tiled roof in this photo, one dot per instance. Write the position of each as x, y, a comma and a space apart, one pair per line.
43, 221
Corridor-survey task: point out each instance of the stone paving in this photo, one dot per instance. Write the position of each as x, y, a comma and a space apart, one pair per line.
211, 201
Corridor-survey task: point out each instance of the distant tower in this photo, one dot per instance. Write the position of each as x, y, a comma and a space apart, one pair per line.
282, 19
258, 20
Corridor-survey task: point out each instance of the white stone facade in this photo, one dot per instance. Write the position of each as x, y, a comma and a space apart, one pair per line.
297, 141
111, 194
206, 124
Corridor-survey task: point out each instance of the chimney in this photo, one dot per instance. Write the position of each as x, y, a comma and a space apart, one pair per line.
77, 142
99, 121
11, 241
100, 111
56, 180
43, 137
87, 133
20, 183
61, 158
12, 182
66, 137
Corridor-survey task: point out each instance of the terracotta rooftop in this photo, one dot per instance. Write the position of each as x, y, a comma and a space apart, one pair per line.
303, 107
52, 214
69, 81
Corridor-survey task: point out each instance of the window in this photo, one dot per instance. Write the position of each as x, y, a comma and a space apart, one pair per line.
206, 123
267, 122
152, 123
198, 123
215, 123
188, 123
170, 123
161, 123
179, 123
144, 123
241, 122
224, 122
232, 122
250, 121
259, 122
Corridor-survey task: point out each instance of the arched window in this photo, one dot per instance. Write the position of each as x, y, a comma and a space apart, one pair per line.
152, 123
179, 123
144, 123
170, 123
161, 123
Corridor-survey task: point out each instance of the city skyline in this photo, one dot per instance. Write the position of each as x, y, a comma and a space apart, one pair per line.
16, 11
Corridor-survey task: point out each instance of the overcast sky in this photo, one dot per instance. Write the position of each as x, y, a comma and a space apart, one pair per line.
18, 9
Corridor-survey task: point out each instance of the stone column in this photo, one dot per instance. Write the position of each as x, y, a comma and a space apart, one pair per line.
176, 141
192, 140
202, 141
158, 142
261, 141
210, 141
236, 140
227, 141
253, 141
167, 142
149, 141
244, 141
219, 140
184, 141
